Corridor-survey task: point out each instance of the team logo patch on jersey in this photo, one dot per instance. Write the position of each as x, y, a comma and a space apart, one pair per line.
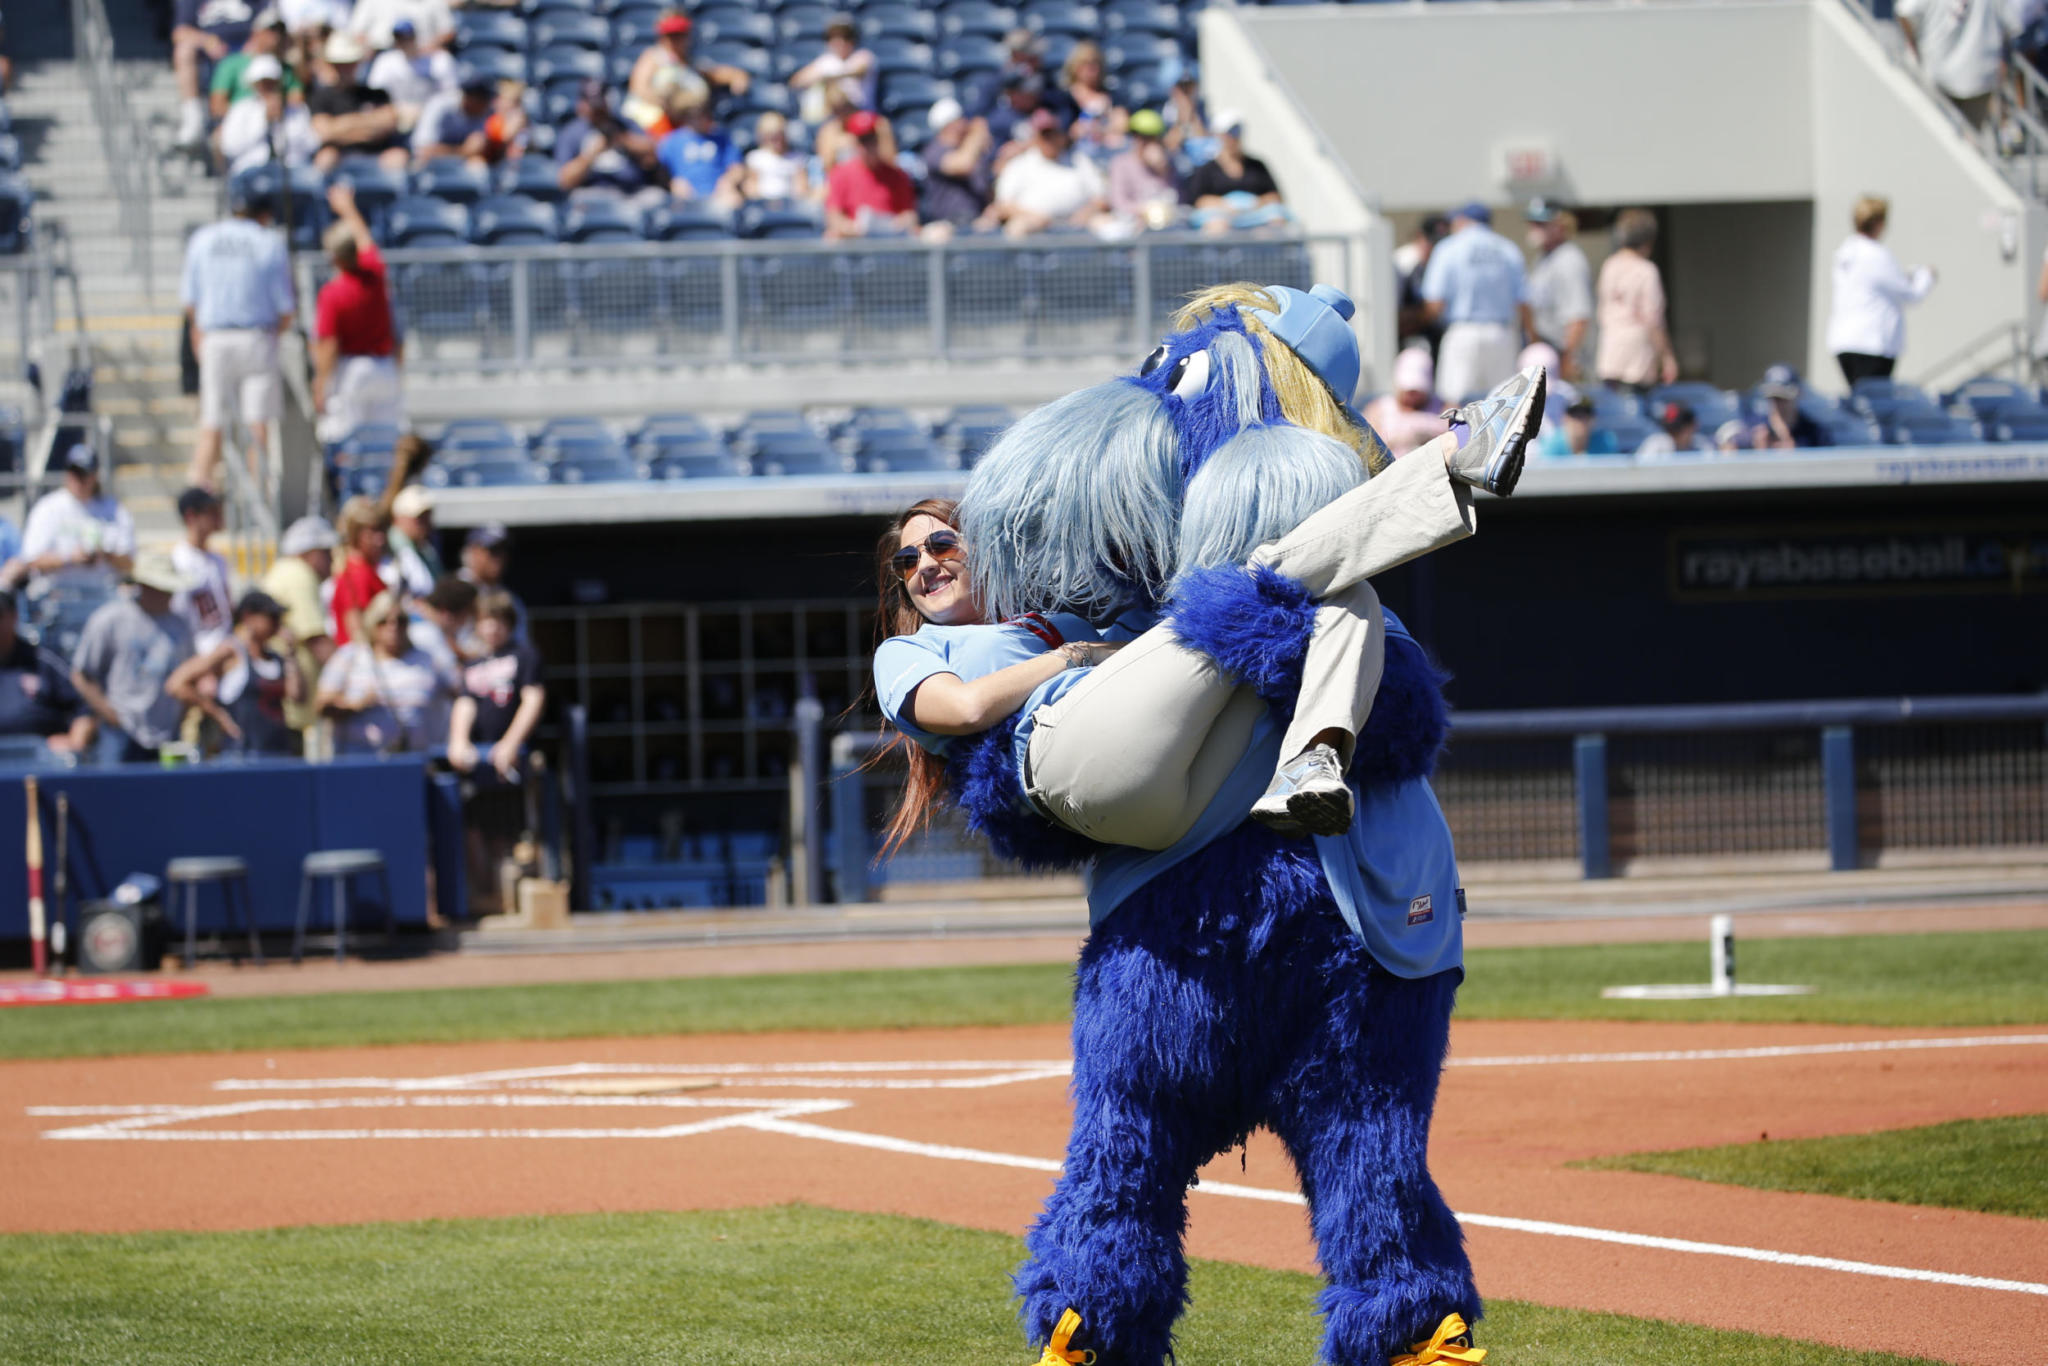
1420, 911
1461, 903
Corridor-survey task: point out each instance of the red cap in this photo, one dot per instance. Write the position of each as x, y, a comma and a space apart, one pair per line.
672, 23
860, 123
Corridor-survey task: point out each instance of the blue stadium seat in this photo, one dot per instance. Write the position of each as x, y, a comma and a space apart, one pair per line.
579, 469
1883, 400
661, 427
968, 52
633, 31
10, 152
558, 70
728, 25
418, 222
692, 460
1609, 404
865, 423
367, 481
499, 471
686, 222
762, 96
1061, 16
766, 421
1710, 405
2023, 429
972, 430
301, 192
1628, 432
760, 220
1989, 400
898, 21
532, 177
376, 188
569, 28
476, 433
451, 179
490, 28
897, 453
1140, 16
976, 17
781, 453
793, 56
802, 21
371, 443
559, 430
909, 90
1136, 50
755, 61
1939, 429
901, 56
500, 64
1847, 429
599, 220
510, 220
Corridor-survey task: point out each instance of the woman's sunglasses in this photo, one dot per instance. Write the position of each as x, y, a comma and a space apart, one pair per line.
940, 545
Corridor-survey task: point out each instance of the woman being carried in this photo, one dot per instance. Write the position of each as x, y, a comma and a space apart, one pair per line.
1129, 743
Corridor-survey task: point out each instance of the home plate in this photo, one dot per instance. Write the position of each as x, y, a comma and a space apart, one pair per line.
632, 1086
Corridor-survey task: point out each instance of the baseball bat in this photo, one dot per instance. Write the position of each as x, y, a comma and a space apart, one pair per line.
68, 947
38, 946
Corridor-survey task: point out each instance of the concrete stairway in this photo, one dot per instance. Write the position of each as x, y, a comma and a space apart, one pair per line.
131, 314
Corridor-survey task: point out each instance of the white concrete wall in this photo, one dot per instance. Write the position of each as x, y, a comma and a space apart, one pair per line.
1754, 105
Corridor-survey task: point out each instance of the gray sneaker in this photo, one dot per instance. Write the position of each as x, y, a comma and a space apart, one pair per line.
1308, 797
1502, 426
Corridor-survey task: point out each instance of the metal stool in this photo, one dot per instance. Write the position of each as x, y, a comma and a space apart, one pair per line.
191, 873
341, 865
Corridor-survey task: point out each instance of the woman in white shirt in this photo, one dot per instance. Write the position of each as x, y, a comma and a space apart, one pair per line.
773, 172
384, 695
1867, 325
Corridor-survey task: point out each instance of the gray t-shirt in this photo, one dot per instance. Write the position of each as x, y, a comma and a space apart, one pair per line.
129, 654
1560, 292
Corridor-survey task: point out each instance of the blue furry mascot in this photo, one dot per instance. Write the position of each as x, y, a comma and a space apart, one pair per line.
1238, 979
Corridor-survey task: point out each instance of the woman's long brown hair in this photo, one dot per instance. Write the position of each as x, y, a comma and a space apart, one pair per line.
895, 615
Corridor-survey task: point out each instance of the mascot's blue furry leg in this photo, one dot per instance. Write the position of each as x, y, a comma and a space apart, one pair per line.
1354, 1113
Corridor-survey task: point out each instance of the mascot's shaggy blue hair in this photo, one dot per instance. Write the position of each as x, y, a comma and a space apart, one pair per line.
1227, 993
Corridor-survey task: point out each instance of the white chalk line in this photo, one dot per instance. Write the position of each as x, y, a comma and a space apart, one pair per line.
1539, 1227
149, 1123
1000, 1073
1797, 1050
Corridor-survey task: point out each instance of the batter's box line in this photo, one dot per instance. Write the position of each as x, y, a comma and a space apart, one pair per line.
125, 1124
841, 1075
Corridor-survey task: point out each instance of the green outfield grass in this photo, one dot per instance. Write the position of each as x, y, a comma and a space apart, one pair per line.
1996, 978
1991, 1165
794, 1285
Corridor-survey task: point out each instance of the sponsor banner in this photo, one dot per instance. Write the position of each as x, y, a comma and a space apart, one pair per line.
1826, 562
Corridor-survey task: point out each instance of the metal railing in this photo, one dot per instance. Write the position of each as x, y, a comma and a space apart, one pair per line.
575, 307
1838, 780
130, 156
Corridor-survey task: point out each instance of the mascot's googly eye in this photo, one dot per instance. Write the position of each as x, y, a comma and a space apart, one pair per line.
1154, 361
1189, 375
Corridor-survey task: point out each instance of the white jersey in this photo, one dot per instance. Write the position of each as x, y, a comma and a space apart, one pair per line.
209, 604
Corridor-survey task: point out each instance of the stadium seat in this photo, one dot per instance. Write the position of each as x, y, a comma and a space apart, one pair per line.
1710, 405
1061, 16
759, 220
581, 469
508, 220
500, 64
794, 55
416, 221
686, 222
599, 220
376, 188
1140, 16
968, 52
971, 430
498, 471
907, 90
896, 423
1136, 49
682, 460
674, 427
762, 96
633, 32
727, 24
1883, 400
898, 21
559, 70
802, 21
894, 453
367, 481
10, 152
451, 179
2023, 429
766, 421
782, 453
371, 443
753, 60
572, 429
1939, 429
1628, 432
1989, 400
476, 433
530, 176
1847, 429
978, 18
569, 28
490, 28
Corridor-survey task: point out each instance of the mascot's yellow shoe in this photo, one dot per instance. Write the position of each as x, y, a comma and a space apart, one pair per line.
1452, 1341
1058, 1353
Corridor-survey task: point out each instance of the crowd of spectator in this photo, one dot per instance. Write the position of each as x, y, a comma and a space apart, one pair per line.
1474, 309
1025, 150
171, 660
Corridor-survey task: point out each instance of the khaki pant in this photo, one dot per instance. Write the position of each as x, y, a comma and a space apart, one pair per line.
1136, 751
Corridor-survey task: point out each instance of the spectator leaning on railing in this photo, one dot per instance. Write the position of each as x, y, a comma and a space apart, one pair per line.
267, 127
244, 682
356, 349
124, 659
237, 292
36, 695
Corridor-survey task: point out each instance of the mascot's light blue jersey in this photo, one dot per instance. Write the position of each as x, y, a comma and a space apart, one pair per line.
1393, 874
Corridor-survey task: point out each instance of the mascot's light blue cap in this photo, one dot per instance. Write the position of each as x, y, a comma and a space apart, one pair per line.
1317, 327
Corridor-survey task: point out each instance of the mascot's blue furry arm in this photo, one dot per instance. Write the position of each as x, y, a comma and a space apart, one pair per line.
1255, 623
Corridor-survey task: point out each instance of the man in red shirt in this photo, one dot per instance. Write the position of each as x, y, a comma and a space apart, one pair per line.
868, 194
355, 348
